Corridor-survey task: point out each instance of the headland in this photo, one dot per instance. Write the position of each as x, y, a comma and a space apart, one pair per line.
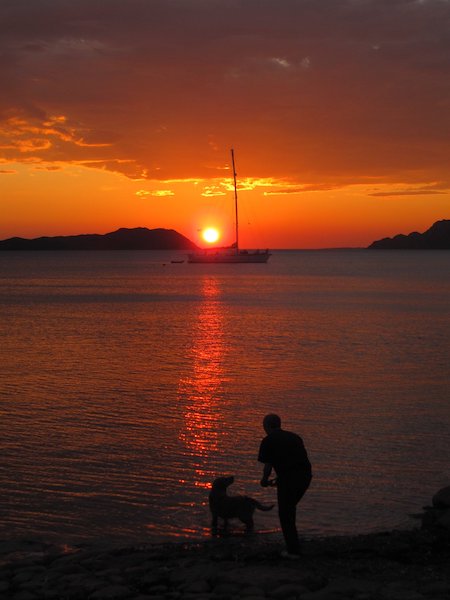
437, 237
139, 238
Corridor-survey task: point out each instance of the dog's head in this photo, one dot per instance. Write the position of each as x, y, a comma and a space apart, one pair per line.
221, 483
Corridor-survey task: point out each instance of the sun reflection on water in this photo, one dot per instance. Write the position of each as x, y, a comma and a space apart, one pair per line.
200, 389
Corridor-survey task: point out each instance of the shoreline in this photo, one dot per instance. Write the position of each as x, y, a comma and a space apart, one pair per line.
392, 565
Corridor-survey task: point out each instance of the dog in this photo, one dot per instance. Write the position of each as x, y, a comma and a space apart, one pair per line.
231, 507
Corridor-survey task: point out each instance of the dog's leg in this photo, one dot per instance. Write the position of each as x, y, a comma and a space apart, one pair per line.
249, 524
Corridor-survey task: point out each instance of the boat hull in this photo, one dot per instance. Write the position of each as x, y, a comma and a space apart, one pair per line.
228, 257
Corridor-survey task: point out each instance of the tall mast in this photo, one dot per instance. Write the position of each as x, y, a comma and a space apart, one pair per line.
235, 201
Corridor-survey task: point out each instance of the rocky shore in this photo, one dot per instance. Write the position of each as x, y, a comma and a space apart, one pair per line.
396, 565
399, 565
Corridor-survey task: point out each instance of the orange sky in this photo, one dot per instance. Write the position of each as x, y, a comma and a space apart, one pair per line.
122, 114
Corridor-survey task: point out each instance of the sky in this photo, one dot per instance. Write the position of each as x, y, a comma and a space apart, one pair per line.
122, 113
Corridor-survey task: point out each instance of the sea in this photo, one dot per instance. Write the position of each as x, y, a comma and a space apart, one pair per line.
128, 383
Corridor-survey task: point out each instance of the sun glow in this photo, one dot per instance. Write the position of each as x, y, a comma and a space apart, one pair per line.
210, 235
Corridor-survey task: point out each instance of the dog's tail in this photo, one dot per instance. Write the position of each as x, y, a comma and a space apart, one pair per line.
263, 506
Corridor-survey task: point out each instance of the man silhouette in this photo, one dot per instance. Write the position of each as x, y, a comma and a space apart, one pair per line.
285, 452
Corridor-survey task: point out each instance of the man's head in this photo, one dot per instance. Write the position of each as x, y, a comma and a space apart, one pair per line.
271, 422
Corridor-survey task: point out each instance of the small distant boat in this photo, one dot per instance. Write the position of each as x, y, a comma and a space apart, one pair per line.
233, 254
177, 261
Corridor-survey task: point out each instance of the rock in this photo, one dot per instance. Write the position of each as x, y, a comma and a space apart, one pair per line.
112, 592
442, 498
287, 590
4, 587
50, 595
21, 577
262, 576
346, 587
197, 587
66, 568
201, 570
323, 594
137, 571
436, 588
116, 579
152, 579
349, 587
24, 595
402, 595
314, 582
89, 583
174, 595
251, 590
94, 564
226, 589
400, 590
158, 589
35, 584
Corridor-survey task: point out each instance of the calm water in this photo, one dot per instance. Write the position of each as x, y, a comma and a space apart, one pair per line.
128, 383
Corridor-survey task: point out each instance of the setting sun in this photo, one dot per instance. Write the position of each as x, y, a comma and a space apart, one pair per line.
210, 235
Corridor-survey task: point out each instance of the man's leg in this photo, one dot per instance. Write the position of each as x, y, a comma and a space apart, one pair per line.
290, 492
287, 511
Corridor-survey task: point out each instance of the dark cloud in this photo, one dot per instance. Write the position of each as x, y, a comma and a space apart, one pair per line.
404, 193
302, 189
437, 188
311, 90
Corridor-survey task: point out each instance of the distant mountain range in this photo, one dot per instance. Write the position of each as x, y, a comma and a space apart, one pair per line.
139, 238
435, 238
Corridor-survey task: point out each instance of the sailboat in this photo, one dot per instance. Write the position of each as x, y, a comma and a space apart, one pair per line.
233, 254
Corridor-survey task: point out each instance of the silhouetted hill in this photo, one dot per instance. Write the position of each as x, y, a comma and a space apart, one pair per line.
139, 238
435, 238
